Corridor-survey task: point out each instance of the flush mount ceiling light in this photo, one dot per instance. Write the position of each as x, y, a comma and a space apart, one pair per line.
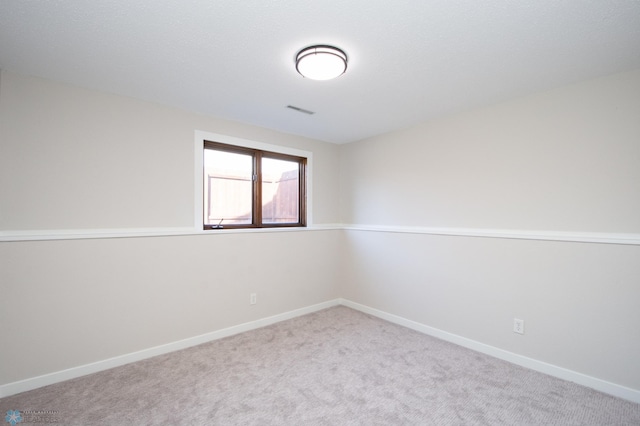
321, 62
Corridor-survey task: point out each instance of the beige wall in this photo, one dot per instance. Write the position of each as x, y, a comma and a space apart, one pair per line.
76, 159
579, 301
68, 303
565, 160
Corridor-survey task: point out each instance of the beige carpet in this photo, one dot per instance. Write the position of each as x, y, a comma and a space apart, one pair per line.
333, 367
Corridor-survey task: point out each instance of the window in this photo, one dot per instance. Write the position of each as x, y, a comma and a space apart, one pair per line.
252, 188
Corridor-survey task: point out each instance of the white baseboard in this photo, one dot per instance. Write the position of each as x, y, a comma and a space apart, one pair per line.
619, 391
552, 370
71, 373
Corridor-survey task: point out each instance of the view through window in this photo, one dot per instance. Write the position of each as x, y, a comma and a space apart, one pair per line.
245, 187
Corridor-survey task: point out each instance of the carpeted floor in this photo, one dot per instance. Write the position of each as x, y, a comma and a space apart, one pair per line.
333, 367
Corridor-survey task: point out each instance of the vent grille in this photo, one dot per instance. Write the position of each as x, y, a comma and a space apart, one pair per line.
302, 110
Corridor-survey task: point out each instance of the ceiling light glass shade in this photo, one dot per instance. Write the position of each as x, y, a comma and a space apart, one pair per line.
321, 62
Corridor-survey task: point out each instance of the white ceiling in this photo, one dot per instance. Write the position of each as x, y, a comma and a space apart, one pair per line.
409, 60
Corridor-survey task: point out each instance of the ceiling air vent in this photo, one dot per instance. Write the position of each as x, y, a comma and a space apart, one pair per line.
304, 111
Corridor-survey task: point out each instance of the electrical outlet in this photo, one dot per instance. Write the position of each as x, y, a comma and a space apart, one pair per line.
253, 298
518, 326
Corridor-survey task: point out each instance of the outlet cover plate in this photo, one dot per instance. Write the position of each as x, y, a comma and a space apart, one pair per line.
518, 326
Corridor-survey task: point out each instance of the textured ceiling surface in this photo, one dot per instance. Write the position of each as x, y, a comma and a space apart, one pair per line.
409, 60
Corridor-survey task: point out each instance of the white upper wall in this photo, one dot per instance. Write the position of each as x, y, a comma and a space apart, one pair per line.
72, 158
563, 160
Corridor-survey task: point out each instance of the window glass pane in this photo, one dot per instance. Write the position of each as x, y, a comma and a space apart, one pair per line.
280, 191
227, 188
